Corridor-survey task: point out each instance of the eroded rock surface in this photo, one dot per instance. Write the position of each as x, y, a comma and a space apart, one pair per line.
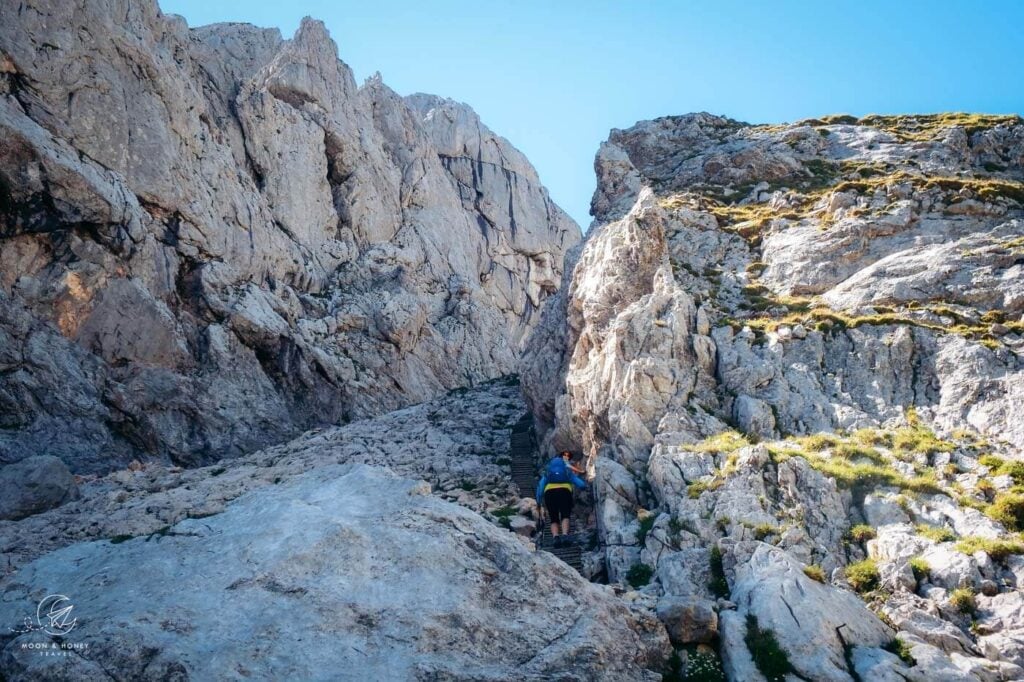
213, 238
349, 574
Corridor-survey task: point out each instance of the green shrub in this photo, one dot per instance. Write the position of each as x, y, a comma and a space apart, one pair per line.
935, 533
646, 524
861, 533
920, 568
862, 575
769, 657
962, 599
818, 442
718, 585
852, 451
1008, 509
639, 575
814, 572
899, 647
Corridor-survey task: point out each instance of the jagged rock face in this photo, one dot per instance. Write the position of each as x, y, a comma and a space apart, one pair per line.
839, 274
211, 238
321, 557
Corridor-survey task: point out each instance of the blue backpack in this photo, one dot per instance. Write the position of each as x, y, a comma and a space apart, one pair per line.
557, 471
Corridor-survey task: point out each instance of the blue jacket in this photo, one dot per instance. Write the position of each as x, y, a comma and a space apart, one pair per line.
576, 481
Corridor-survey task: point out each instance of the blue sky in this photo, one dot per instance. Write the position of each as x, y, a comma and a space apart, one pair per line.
555, 77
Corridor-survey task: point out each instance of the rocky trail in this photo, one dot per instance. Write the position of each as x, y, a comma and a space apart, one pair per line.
525, 465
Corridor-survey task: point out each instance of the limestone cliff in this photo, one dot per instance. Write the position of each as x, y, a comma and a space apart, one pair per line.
212, 238
795, 357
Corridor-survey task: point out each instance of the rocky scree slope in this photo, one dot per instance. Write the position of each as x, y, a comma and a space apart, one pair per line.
212, 238
794, 356
354, 552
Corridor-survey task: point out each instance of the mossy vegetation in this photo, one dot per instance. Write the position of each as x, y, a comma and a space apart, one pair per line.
924, 127
826, 319
919, 127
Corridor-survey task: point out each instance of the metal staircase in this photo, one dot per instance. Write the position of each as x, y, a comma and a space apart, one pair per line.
525, 474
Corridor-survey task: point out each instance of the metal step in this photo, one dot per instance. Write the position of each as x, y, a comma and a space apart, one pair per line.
525, 474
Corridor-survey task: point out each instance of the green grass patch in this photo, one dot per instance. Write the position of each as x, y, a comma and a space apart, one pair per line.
920, 568
769, 657
861, 533
815, 572
764, 530
901, 649
718, 584
992, 462
1008, 509
866, 476
997, 548
1015, 470
646, 525
862, 575
962, 599
725, 442
935, 533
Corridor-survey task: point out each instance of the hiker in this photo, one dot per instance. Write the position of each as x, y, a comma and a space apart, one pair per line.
555, 488
575, 469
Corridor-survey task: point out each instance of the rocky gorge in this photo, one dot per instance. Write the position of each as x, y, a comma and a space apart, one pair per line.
265, 335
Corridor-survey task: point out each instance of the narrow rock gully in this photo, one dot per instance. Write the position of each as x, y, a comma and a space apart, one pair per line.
526, 465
